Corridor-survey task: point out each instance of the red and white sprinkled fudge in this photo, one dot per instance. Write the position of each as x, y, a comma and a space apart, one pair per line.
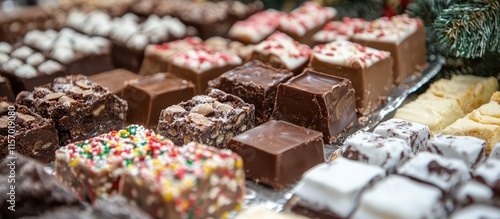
445, 173
415, 134
403, 37
193, 181
471, 150
339, 30
257, 27
303, 22
201, 65
369, 70
375, 149
281, 51
92, 167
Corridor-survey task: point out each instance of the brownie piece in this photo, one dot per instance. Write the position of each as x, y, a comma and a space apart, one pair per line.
92, 168
6, 89
477, 211
400, 197
257, 27
469, 149
79, 107
415, 134
369, 70
403, 37
306, 20
210, 119
80, 54
30, 190
277, 153
281, 51
27, 69
114, 80
193, 181
200, 66
317, 101
149, 95
339, 30
375, 149
27, 133
488, 173
329, 190
256, 84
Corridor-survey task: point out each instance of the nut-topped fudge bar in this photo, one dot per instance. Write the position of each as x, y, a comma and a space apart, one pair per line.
317, 101
210, 119
26, 68
281, 51
303, 22
79, 53
471, 150
27, 133
192, 181
332, 190
79, 107
415, 134
257, 27
369, 70
277, 153
6, 89
339, 30
92, 167
403, 37
201, 65
255, 83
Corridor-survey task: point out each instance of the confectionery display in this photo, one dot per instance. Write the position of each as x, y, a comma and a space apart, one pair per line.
277, 153
210, 119
400, 35
149, 95
6, 89
256, 84
114, 80
416, 135
471, 150
34, 136
339, 30
369, 70
259, 211
330, 103
257, 27
80, 108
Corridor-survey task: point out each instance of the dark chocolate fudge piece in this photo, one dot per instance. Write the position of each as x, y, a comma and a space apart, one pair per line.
27, 133
277, 153
148, 96
6, 89
31, 188
114, 80
80, 108
317, 101
256, 84
210, 119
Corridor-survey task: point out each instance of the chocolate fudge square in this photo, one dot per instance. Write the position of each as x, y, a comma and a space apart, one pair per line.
148, 96
200, 66
6, 89
277, 153
36, 190
210, 119
369, 70
34, 136
114, 80
317, 101
80, 108
256, 84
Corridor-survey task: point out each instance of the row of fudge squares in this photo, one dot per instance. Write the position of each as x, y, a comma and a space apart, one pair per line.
154, 174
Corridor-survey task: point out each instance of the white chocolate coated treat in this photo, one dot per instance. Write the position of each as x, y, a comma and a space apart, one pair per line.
336, 186
259, 211
415, 134
474, 193
471, 150
495, 152
477, 211
489, 173
348, 54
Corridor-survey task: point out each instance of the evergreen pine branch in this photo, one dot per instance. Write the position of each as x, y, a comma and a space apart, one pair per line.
469, 30
427, 10
488, 65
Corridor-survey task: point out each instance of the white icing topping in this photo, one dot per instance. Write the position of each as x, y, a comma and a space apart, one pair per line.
5, 47
201, 61
22, 53
12, 64
305, 18
400, 197
489, 171
376, 149
495, 152
445, 173
475, 192
256, 27
40, 40
25, 71
4, 58
290, 52
349, 54
394, 29
415, 134
174, 26
75, 19
86, 45
138, 41
50, 67
340, 30
469, 149
35, 59
477, 211
334, 187
63, 54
